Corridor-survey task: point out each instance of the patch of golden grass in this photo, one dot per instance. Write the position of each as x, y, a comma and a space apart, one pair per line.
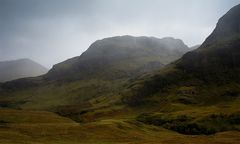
39, 127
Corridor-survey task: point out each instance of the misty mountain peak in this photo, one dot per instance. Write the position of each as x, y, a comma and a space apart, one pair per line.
15, 69
173, 43
124, 55
124, 46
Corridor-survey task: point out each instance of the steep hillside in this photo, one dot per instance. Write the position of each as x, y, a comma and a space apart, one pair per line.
10, 70
118, 57
94, 79
215, 63
208, 77
195, 99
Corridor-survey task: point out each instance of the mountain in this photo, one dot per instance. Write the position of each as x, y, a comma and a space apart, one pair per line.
227, 27
215, 61
199, 93
117, 57
95, 78
15, 69
220, 51
118, 87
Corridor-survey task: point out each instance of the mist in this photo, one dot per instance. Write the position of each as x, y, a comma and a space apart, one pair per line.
52, 31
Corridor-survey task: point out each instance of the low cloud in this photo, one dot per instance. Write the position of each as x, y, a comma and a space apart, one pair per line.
53, 31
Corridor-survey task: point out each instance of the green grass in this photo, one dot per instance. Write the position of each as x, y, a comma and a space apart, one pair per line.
196, 120
173, 105
88, 92
39, 127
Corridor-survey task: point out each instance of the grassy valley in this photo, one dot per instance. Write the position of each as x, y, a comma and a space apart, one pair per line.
21, 126
132, 90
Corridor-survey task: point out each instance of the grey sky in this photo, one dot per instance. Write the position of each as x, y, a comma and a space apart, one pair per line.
51, 31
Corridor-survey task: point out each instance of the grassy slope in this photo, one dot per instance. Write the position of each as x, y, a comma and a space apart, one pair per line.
110, 121
31, 127
206, 77
59, 94
208, 95
202, 87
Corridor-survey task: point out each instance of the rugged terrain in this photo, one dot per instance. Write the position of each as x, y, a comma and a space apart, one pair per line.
207, 77
116, 97
93, 80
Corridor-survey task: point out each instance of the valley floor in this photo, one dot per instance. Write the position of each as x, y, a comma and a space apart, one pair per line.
40, 127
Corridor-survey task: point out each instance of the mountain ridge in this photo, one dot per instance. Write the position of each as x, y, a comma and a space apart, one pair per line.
111, 51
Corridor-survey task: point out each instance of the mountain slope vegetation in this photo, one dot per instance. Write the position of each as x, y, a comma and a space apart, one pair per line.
206, 77
118, 57
95, 78
114, 93
215, 63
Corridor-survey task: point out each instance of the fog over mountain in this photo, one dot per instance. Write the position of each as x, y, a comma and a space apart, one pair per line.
143, 79
120, 57
15, 69
52, 31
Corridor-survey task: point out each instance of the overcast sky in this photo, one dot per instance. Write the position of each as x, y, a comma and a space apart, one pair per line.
51, 31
